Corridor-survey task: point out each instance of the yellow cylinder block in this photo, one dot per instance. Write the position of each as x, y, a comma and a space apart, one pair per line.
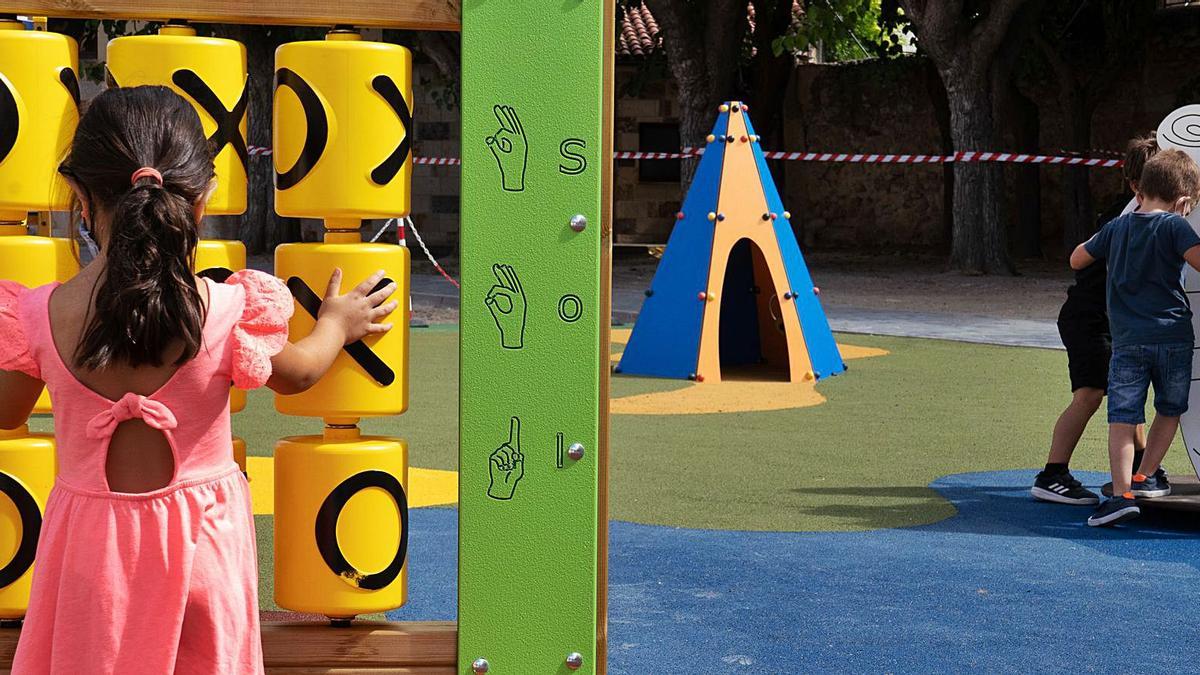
369, 378
239, 454
36, 261
342, 128
217, 259
39, 109
341, 523
27, 469
211, 74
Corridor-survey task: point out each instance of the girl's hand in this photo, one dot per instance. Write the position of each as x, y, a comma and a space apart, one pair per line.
358, 312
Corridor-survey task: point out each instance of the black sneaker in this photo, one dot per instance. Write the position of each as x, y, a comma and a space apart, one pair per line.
1062, 488
1151, 486
1115, 510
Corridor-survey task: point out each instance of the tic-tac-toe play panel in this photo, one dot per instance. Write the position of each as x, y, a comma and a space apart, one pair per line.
537, 148
732, 292
533, 314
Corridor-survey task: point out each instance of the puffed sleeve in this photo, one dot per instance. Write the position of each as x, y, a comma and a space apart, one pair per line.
262, 330
15, 354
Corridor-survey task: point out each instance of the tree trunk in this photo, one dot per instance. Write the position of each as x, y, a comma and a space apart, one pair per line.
980, 243
1027, 132
941, 111
1079, 216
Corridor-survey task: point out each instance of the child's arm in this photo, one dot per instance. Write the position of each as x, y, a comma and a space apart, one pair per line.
18, 394
1080, 258
343, 319
1192, 256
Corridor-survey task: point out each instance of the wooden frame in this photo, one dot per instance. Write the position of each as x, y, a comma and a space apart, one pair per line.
409, 14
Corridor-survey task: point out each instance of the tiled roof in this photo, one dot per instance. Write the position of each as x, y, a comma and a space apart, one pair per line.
639, 32
638, 35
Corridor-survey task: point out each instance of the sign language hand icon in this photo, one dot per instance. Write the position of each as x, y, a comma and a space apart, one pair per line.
506, 301
507, 464
510, 148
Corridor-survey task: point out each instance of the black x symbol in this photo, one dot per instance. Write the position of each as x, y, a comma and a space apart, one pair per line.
385, 172
10, 121
360, 352
227, 132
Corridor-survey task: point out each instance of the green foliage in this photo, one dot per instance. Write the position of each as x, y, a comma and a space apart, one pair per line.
847, 30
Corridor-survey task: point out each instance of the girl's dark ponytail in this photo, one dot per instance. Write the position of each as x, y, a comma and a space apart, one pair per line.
147, 301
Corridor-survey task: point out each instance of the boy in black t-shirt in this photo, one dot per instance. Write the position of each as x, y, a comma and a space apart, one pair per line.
1083, 326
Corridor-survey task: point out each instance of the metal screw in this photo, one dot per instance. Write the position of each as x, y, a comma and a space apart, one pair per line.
574, 660
575, 452
479, 666
579, 222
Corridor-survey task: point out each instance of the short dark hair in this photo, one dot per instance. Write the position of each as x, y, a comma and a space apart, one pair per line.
1169, 175
1137, 153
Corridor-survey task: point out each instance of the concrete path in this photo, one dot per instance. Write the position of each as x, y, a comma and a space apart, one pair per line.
434, 291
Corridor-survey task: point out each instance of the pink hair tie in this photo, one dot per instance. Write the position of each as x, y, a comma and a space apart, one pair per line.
146, 172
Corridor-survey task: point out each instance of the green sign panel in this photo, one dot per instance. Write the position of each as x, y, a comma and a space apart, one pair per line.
533, 176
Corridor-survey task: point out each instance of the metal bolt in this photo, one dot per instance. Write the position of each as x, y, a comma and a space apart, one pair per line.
574, 660
479, 666
575, 452
579, 222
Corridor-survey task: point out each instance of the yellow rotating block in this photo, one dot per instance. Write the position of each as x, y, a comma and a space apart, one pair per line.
217, 259
36, 261
342, 128
211, 74
39, 109
239, 454
370, 377
341, 523
27, 471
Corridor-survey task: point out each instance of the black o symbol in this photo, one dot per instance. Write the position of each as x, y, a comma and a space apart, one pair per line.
31, 526
10, 120
326, 529
316, 134
570, 308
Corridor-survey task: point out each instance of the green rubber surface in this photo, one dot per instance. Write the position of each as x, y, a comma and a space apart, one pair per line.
532, 112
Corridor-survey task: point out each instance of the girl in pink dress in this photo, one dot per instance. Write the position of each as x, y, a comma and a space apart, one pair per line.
146, 557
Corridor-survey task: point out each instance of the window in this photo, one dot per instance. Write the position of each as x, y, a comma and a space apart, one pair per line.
658, 137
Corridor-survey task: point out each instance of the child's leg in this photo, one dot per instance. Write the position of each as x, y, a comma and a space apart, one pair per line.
1120, 456
1162, 434
1071, 423
1128, 384
1172, 378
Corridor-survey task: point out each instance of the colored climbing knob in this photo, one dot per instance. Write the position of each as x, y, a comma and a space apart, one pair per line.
729, 139
721, 216
649, 292
711, 138
691, 376
787, 215
816, 290
735, 107
808, 375
699, 377
746, 107
724, 107
774, 216
679, 216
702, 295
766, 216
579, 222
574, 661
744, 139
789, 295
754, 138
712, 215
479, 666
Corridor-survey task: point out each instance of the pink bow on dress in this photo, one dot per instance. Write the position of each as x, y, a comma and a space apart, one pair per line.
131, 406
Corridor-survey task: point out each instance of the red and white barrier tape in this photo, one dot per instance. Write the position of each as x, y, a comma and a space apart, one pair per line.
839, 157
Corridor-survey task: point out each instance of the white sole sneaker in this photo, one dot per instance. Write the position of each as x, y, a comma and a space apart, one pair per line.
1116, 517
1042, 494
1151, 493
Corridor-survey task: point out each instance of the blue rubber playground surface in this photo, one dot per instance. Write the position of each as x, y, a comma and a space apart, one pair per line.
1006, 584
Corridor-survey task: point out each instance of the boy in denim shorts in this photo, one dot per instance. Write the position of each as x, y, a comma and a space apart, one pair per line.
1151, 325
